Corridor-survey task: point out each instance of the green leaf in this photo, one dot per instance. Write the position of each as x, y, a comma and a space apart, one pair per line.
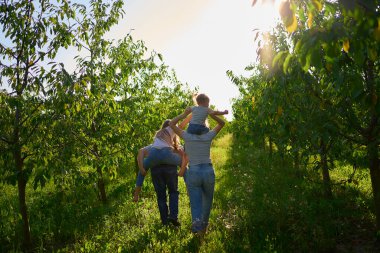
279, 58
286, 63
316, 60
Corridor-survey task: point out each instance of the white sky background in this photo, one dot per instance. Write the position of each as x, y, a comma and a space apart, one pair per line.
199, 39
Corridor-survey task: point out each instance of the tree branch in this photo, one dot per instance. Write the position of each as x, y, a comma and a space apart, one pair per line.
30, 114
6, 140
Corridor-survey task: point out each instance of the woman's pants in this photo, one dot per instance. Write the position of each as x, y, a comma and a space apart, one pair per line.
200, 182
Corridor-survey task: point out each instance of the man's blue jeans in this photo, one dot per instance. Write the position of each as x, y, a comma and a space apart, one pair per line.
200, 182
158, 156
164, 177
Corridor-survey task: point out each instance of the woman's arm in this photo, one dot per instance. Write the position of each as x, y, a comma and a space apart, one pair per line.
140, 160
186, 121
173, 122
220, 122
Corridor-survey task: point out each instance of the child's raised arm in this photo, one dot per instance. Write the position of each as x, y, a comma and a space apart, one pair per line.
216, 112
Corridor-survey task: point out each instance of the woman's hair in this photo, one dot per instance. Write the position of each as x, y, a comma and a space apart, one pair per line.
164, 135
165, 124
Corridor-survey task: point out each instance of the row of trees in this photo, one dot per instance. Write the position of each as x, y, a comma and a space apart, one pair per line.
78, 127
315, 91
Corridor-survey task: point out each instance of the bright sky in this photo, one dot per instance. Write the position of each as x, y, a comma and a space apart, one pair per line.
200, 39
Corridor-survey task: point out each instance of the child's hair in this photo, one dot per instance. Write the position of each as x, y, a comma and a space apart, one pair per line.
201, 98
164, 135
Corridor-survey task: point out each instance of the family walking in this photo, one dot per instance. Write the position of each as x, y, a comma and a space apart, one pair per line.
165, 154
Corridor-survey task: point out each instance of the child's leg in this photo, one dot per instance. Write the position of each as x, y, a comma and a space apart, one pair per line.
197, 129
204, 130
192, 129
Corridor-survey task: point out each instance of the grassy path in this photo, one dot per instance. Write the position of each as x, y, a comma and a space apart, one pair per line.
132, 227
261, 204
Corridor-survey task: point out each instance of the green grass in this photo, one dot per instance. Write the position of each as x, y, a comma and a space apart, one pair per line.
261, 205
278, 209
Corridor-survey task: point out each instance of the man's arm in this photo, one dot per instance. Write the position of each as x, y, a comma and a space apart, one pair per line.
173, 122
220, 122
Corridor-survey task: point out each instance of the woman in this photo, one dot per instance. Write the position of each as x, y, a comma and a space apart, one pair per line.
164, 150
200, 178
164, 174
164, 179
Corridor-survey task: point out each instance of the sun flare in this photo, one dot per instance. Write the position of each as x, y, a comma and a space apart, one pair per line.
267, 13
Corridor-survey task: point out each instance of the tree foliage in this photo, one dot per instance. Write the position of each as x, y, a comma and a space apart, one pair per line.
316, 89
82, 127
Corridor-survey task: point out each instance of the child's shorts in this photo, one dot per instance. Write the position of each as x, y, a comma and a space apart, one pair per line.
197, 129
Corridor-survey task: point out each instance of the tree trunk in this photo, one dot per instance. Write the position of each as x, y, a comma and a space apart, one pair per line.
325, 171
263, 143
21, 184
297, 160
374, 167
373, 136
27, 242
101, 186
270, 146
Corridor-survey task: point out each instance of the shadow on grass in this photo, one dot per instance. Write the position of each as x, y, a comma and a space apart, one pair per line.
194, 244
269, 207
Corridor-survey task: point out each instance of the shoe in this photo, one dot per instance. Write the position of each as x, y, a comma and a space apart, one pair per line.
135, 197
136, 194
174, 222
199, 233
